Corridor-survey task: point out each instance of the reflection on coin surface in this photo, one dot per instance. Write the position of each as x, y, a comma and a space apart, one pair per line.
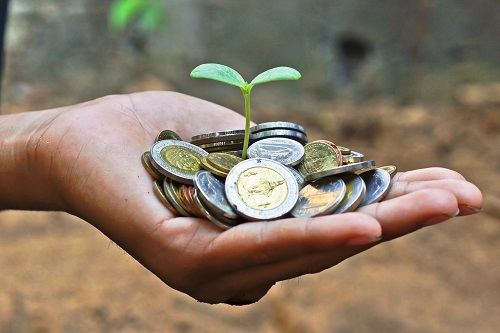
277, 125
167, 135
222, 161
338, 170
377, 183
319, 198
355, 192
178, 160
285, 151
298, 177
319, 156
211, 191
150, 168
261, 189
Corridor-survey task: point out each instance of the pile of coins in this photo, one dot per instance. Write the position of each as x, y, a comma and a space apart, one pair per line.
283, 176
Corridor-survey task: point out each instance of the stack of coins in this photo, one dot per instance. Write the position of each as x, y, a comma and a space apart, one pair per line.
284, 175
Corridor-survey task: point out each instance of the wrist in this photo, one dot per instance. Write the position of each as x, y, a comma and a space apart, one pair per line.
24, 182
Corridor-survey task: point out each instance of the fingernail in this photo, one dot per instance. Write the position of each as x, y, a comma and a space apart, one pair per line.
469, 210
362, 240
439, 218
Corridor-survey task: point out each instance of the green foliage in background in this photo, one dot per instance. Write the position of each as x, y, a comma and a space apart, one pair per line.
148, 14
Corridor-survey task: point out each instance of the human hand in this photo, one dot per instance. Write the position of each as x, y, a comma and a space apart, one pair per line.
88, 163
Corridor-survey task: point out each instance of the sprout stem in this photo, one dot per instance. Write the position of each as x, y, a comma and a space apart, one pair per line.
247, 124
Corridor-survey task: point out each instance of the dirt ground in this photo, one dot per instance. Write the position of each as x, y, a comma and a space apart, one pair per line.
59, 274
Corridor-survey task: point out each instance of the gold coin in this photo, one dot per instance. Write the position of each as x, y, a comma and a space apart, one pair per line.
262, 188
391, 169
146, 162
222, 161
319, 156
209, 167
167, 135
344, 150
158, 189
337, 150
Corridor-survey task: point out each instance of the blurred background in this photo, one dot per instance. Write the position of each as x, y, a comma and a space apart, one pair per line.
410, 83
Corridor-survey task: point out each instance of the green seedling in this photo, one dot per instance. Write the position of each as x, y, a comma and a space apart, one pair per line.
228, 75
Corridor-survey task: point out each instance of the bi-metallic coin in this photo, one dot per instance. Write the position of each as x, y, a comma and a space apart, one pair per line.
178, 160
261, 189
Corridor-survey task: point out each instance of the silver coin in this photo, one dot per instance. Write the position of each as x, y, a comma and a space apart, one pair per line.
298, 177
211, 191
238, 153
378, 182
218, 220
178, 160
279, 133
285, 151
219, 136
221, 144
338, 170
261, 189
319, 198
277, 125
355, 192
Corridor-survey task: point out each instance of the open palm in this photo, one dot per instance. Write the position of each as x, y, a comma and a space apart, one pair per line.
91, 155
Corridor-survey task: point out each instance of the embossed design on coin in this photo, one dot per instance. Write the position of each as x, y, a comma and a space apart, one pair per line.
178, 160
261, 189
319, 198
222, 161
355, 192
377, 183
319, 156
285, 151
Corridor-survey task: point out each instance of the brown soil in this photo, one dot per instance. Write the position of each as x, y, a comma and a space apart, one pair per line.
59, 274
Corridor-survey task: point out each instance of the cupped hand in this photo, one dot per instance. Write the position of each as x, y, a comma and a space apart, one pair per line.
91, 154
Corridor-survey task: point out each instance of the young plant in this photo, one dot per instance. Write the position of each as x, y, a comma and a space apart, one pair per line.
228, 75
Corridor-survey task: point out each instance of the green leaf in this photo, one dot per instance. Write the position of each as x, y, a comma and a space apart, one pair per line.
220, 73
124, 11
276, 74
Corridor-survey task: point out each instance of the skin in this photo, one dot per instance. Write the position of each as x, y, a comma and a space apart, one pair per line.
85, 160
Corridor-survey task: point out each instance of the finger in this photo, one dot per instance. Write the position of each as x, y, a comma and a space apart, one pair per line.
261, 243
468, 196
434, 173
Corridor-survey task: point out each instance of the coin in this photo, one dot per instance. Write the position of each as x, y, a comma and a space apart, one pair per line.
377, 182
167, 135
338, 170
301, 182
285, 151
158, 189
170, 188
344, 150
319, 156
209, 167
353, 157
279, 133
187, 197
277, 125
261, 189
211, 192
218, 220
391, 169
355, 192
238, 134
337, 150
222, 161
178, 160
319, 198
150, 168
